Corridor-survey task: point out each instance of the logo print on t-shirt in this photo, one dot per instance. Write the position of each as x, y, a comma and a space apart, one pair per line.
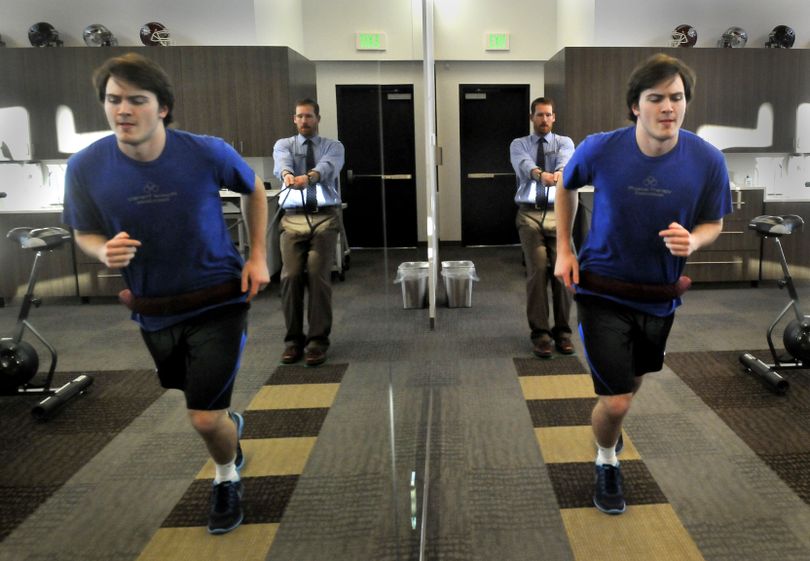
151, 194
649, 188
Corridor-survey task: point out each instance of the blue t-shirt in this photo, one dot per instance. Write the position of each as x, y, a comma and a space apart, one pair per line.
636, 196
171, 205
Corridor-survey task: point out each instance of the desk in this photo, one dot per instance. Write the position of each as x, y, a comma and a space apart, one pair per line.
235, 211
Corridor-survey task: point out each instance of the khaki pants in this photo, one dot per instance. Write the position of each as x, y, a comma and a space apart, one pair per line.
539, 242
307, 253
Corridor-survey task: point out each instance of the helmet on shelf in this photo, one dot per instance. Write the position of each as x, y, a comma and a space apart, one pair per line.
155, 34
684, 36
782, 37
43, 34
96, 35
734, 38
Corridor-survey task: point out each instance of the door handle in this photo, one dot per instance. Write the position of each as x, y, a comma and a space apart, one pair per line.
487, 175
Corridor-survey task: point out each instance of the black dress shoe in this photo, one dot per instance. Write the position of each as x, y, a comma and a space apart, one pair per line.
543, 348
314, 357
291, 355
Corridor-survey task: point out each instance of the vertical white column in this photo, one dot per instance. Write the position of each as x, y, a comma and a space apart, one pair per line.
431, 147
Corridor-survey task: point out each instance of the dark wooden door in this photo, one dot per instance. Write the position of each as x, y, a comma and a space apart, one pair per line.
378, 182
490, 117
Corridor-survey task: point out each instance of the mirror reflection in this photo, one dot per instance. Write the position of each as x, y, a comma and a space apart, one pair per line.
411, 317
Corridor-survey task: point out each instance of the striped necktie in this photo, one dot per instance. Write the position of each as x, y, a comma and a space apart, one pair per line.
540, 160
312, 199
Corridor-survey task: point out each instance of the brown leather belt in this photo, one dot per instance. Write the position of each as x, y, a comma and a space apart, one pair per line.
530, 206
319, 210
633, 290
180, 303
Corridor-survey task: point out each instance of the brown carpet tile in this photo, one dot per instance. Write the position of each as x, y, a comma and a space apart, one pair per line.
573, 484
555, 365
560, 398
282, 423
297, 374
265, 501
560, 412
39, 457
776, 427
265, 496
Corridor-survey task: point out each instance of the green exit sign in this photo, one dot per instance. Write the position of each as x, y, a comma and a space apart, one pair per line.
370, 41
496, 41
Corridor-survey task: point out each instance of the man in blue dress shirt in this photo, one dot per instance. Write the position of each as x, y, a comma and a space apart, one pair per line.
309, 168
538, 160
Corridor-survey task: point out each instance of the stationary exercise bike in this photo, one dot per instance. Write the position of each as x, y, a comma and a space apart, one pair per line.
796, 336
19, 361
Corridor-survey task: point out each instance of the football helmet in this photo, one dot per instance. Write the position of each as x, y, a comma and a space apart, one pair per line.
154, 34
96, 35
782, 37
683, 36
43, 34
733, 38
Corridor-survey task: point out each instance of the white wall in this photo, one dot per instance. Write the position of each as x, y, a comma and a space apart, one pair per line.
190, 22
280, 23
323, 30
575, 23
639, 23
460, 26
331, 27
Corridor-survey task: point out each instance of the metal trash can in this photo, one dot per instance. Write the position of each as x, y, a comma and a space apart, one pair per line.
413, 275
458, 282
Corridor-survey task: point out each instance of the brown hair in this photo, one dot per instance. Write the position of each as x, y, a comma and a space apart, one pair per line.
651, 72
543, 101
312, 102
141, 71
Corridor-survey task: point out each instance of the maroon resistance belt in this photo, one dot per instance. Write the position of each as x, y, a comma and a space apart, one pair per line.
179, 303
633, 290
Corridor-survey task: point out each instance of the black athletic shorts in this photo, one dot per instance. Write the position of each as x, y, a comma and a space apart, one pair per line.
620, 342
201, 355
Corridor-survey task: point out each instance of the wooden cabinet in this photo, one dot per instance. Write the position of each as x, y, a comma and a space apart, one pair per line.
589, 87
56, 276
246, 96
94, 279
243, 94
735, 255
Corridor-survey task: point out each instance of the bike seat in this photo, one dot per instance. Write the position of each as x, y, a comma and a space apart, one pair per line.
39, 238
783, 225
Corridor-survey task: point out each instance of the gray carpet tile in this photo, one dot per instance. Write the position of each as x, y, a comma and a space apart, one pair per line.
353, 502
746, 539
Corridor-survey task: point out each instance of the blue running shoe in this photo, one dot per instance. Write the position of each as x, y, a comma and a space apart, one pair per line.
239, 421
608, 495
226, 507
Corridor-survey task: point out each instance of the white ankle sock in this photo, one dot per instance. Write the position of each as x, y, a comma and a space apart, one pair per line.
226, 472
606, 456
